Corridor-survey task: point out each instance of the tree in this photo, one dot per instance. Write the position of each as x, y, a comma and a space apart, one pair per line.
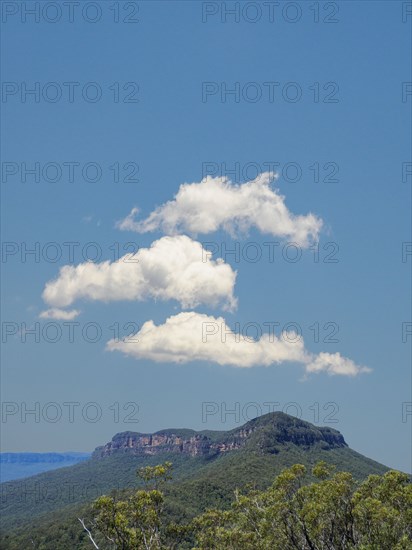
333, 512
134, 523
383, 512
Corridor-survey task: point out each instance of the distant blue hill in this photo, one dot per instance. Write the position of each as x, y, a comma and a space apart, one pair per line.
20, 465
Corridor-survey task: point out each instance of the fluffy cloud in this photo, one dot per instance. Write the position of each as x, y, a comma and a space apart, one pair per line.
216, 203
191, 336
334, 363
173, 268
63, 314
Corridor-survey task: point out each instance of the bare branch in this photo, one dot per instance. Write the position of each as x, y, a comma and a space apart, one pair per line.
88, 532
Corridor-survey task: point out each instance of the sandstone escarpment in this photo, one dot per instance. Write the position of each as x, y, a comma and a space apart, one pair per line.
267, 434
196, 444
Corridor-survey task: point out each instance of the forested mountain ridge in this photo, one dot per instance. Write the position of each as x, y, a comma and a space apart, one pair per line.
207, 468
279, 428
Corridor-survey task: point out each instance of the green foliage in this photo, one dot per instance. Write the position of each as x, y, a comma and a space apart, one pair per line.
335, 512
135, 523
332, 511
158, 474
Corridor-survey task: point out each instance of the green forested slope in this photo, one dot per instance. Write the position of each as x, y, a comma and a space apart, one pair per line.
46, 506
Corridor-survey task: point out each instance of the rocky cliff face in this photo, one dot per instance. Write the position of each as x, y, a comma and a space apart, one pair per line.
151, 444
267, 434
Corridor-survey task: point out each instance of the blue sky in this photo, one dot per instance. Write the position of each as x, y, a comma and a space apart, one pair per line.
169, 135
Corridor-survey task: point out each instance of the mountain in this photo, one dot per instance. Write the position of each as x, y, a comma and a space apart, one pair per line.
208, 466
20, 465
265, 434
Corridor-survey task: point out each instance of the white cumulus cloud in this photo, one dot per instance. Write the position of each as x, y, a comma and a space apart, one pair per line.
63, 314
217, 203
334, 363
173, 268
191, 336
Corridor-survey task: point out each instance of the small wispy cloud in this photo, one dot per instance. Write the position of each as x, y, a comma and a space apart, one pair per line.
61, 314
